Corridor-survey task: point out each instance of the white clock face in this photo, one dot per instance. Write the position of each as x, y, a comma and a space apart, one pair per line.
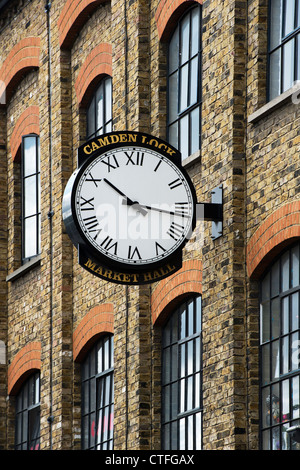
134, 206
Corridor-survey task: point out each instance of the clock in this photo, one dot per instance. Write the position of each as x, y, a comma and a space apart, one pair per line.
131, 205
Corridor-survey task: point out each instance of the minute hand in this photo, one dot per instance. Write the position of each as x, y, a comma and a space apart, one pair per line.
153, 208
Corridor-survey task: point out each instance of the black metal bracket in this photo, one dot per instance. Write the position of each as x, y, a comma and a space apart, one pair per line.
213, 212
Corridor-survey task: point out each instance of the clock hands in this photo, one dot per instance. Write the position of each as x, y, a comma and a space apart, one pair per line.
127, 200
141, 207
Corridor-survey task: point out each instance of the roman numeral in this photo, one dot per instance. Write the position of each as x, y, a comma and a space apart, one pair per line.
92, 179
111, 162
133, 252
175, 231
87, 204
158, 165
175, 183
108, 244
91, 223
139, 160
181, 208
159, 249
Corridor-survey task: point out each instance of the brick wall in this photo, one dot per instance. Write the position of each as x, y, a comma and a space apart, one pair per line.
62, 308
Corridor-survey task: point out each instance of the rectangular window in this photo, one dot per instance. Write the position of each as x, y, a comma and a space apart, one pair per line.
284, 28
31, 212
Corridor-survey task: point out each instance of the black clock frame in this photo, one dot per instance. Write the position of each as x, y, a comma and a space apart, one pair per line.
87, 153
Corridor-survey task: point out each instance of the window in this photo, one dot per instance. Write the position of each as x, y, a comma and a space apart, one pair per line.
181, 378
279, 338
99, 113
184, 83
98, 396
284, 45
27, 435
31, 214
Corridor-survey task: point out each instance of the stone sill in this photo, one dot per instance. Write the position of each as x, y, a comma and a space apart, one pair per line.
36, 261
192, 159
290, 95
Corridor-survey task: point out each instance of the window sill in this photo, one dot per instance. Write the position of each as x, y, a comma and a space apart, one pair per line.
192, 159
291, 94
36, 261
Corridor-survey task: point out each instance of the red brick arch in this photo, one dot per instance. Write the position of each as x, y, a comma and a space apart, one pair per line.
26, 361
28, 123
167, 14
97, 321
97, 64
73, 16
169, 291
280, 229
24, 57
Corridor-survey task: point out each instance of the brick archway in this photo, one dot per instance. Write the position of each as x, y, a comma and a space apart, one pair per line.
97, 64
280, 229
167, 14
73, 16
27, 360
28, 123
169, 291
97, 321
24, 57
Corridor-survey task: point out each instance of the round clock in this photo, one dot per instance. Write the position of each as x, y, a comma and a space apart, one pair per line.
131, 206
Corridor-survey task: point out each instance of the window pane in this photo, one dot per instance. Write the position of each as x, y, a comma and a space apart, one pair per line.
184, 136
193, 81
295, 266
285, 400
30, 199
295, 398
265, 322
185, 40
288, 64
275, 67
275, 274
173, 51
275, 313
173, 94
266, 364
276, 21
108, 100
99, 108
195, 33
295, 311
275, 359
30, 237
289, 16
184, 82
285, 316
29, 156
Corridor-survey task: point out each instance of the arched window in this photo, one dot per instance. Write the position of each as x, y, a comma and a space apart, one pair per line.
279, 348
184, 83
99, 113
284, 45
98, 396
27, 433
182, 378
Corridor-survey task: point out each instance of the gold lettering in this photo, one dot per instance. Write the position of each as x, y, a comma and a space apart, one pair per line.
103, 141
123, 137
95, 146
170, 151
147, 277
114, 139
132, 137
87, 149
90, 265
153, 142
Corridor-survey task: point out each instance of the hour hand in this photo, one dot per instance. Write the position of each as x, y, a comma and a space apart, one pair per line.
126, 199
